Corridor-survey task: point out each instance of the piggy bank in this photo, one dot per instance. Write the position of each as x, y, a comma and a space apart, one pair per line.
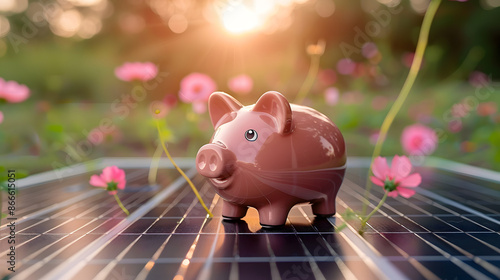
271, 156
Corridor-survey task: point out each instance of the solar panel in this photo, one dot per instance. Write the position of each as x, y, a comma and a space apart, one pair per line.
67, 229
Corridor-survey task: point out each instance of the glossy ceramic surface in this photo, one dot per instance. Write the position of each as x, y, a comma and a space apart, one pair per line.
271, 156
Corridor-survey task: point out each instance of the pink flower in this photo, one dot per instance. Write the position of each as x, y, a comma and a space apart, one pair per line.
369, 50
111, 178
408, 59
478, 79
100, 135
397, 179
459, 110
1, 117
455, 125
13, 92
346, 66
486, 108
241, 84
170, 100
136, 71
159, 109
419, 139
374, 138
332, 96
327, 77
199, 107
196, 87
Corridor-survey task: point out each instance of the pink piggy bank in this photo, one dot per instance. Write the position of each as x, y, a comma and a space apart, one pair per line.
271, 156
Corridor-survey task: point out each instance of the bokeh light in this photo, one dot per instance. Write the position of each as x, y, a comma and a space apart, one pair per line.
13, 6
67, 23
325, 8
239, 19
419, 6
178, 23
259, 15
4, 26
85, 3
490, 4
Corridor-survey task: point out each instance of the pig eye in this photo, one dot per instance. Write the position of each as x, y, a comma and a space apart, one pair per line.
251, 135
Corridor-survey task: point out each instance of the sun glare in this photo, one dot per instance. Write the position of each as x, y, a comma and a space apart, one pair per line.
240, 19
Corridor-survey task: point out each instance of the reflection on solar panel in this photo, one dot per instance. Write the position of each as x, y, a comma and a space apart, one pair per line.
69, 230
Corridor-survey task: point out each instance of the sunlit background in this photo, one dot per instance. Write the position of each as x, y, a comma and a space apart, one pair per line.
66, 52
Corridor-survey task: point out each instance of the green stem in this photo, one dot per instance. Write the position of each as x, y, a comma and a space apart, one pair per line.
182, 172
121, 205
153, 168
405, 90
309, 81
365, 220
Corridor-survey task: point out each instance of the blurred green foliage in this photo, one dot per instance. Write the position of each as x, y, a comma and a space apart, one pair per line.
73, 85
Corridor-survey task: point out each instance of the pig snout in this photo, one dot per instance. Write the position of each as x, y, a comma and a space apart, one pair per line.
215, 161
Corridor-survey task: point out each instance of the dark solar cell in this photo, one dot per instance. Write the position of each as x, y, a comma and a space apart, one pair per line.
146, 246
177, 246
163, 271
166, 225
296, 270
411, 244
469, 244
253, 245
254, 270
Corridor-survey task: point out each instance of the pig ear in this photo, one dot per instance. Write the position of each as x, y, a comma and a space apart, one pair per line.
275, 104
221, 103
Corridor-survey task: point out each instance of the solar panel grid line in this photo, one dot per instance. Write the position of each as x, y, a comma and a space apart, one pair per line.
104, 273
423, 270
378, 265
57, 174
275, 273
381, 211
471, 271
469, 170
492, 269
482, 207
40, 200
143, 274
181, 272
456, 204
70, 267
27, 272
459, 199
346, 272
52, 217
424, 211
446, 179
207, 267
59, 205
63, 203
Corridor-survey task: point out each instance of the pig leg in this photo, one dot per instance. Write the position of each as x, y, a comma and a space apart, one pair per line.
324, 207
272, 215
231, 211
